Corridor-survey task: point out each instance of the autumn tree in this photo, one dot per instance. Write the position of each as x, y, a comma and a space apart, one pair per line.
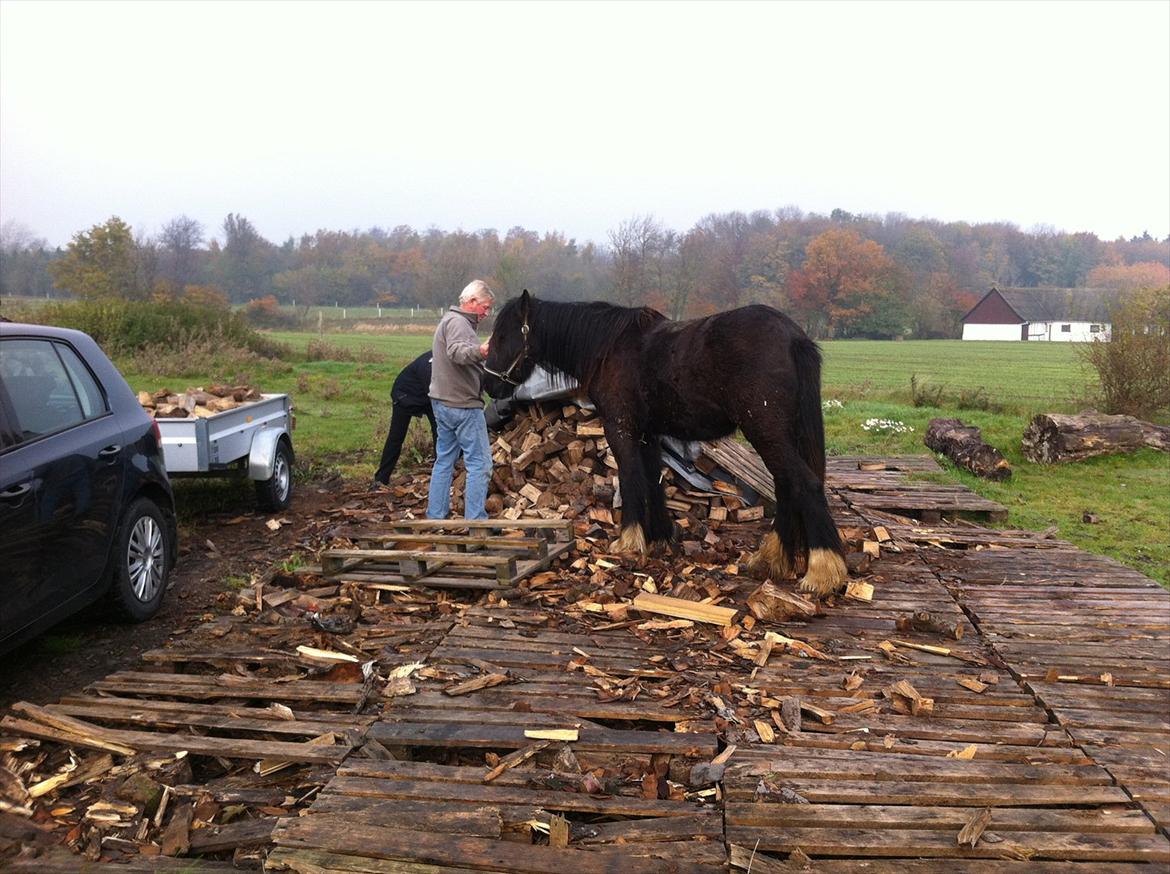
847, 287
101, 263
1130, 277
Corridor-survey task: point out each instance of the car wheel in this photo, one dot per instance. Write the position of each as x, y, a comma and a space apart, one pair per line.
142, 561
275, 493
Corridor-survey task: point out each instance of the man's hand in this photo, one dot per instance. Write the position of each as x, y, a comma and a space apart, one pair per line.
483, 348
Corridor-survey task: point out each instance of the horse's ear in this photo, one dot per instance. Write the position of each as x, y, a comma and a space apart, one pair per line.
525, 301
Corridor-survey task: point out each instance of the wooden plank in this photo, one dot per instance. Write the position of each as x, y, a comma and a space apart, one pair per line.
157, 718
944, 794
225, 747
923, 843
683, 609
312, 832
870, 816
834, 764
200, 687
513, 737
498, 793
758, 862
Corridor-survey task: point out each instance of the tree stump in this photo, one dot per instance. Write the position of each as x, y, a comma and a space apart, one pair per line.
963, 444
1052, 438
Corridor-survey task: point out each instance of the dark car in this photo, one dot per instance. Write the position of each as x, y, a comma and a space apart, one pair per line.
86, 509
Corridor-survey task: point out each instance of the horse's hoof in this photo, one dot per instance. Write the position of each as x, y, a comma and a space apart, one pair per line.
826, 575
770, 560
632, 540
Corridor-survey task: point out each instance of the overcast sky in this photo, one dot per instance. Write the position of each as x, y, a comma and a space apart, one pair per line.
577, 116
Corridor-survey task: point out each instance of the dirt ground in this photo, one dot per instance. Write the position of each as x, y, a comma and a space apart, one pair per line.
226, 542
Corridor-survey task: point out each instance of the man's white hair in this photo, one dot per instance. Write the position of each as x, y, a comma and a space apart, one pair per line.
477, 289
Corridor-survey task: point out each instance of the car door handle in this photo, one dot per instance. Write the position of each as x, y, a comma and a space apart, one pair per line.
110, 452
13, 492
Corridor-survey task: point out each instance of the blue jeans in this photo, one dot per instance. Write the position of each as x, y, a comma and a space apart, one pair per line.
460, 431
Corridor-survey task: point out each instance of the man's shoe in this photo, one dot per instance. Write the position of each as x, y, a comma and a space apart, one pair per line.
376, 486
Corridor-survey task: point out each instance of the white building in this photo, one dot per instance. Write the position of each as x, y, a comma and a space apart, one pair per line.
1073, 315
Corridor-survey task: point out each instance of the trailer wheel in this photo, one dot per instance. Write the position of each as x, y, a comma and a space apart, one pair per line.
275, 493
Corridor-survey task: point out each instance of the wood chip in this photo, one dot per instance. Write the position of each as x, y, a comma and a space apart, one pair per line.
970, 833
859, 590
515, 758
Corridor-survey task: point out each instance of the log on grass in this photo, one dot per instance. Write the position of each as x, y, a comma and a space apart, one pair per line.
963, 444
1052, 438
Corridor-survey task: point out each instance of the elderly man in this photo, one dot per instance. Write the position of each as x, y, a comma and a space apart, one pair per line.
455, 397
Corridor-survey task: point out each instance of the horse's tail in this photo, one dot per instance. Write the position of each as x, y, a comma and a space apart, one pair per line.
810, 424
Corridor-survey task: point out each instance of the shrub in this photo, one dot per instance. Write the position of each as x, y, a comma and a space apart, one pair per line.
924, 394
1133, 365
266, 312
205, 357
129, 327
975, 399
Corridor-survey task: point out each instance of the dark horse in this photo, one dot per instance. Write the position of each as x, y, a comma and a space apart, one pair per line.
751, 368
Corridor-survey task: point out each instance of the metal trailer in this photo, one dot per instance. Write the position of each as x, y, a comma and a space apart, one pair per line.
253, 440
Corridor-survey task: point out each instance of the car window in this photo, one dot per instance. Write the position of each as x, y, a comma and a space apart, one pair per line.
41, 397
93, 402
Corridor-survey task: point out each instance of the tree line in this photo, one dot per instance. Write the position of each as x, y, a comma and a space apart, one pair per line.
840, 275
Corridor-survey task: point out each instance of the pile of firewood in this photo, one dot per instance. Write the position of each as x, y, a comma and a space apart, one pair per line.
196, 403
554, 462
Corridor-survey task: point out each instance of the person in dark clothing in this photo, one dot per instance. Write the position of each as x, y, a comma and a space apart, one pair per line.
410, 398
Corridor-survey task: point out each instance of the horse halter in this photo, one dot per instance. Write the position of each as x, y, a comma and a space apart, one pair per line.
506, 376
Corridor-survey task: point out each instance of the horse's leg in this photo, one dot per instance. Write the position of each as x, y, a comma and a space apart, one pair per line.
659, 526
798, 487
636, 491
776, 557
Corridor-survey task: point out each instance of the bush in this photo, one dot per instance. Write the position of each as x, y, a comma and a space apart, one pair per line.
128, 327
923, 394
207, 358
265, 312
1133, 365
976, 399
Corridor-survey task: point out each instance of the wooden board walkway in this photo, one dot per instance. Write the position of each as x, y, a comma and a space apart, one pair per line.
520, 738
1091, 640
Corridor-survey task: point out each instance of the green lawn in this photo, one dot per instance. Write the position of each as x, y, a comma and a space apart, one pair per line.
343, 406
1022, 375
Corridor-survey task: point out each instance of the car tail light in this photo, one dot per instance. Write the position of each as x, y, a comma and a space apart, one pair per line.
155, 429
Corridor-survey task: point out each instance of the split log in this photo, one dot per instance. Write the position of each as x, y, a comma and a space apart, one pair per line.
770, 603
1052, 438
963, 444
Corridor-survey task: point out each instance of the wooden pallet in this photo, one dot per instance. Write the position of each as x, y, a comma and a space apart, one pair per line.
1091, 639
447, 817
472, 561
873, 804
928, 502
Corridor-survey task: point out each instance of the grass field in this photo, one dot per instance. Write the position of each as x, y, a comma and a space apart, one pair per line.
1012, 375
342, 404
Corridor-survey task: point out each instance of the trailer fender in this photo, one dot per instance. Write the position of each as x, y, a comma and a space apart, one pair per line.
263, 452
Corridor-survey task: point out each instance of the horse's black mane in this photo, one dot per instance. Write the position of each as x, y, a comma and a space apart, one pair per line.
574, 338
